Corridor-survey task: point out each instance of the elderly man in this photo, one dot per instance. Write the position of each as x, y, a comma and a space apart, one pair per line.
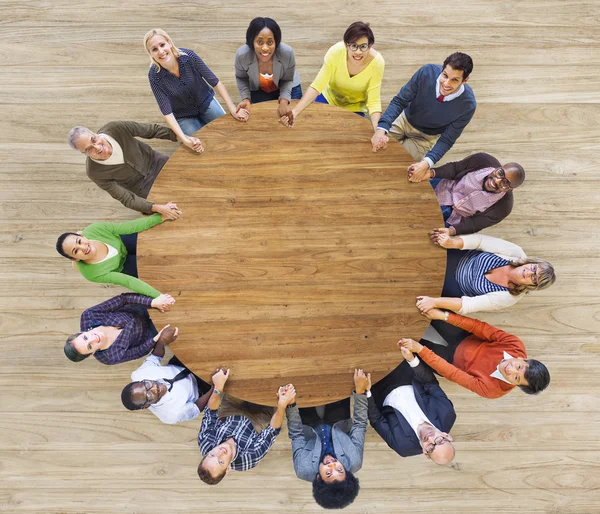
474, 193
123, 166
411, 413
429, 113
172, 393
328, 446
231, 442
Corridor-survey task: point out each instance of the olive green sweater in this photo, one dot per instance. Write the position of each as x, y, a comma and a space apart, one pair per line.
109, 271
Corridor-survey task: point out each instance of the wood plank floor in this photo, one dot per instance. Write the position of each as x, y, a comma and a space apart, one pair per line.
67, 445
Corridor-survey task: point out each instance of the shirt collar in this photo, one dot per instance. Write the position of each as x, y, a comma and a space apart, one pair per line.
497, 374
448, 98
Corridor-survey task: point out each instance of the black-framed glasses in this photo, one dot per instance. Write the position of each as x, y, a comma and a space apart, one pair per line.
354, 47
438, 441
501, 174
148, 385
534, 277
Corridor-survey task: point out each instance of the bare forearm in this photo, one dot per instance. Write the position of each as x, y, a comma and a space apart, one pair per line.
306, 100
174, 126
159, 349
449, 304
203, 400
222, 92
375, 120
277, 419
214, 402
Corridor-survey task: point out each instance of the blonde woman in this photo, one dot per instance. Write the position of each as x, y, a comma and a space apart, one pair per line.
183, 87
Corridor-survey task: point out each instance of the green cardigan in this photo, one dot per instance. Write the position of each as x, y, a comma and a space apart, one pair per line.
109, 271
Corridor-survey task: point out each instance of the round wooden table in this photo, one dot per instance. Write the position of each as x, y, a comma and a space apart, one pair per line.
298, 256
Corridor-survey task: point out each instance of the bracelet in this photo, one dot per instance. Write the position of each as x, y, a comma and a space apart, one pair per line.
446, 317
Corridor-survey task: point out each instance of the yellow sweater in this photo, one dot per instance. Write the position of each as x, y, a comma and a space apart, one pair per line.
360, 93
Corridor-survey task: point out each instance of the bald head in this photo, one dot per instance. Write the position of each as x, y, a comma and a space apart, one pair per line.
515, 174
443, 454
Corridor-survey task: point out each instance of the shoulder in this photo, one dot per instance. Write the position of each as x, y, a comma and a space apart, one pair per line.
284, 50
336, 51
430, 70
469, 96
244, 54
113, 129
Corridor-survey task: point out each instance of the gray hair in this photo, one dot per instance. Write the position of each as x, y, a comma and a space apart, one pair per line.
75, 133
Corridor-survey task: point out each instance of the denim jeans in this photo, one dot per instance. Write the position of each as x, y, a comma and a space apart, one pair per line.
130, 266
192, 125
259, 95
322, 100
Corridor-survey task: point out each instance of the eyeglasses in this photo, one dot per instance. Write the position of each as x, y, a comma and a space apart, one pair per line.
500, 173
534, 277
148, 385
94, 141
354, 47
438, 441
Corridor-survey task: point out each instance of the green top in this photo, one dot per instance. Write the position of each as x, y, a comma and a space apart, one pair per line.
109, 270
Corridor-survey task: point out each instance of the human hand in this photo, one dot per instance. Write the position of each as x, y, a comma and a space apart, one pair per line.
425, 303
435, 314
193, 143
163, 302
289, 119
443, 237
244, 104
286, 395
379, 140
407, 354
241, 114
418, 171
410, 344
168, 212
167, 335
362, 382
283, 108
219, 378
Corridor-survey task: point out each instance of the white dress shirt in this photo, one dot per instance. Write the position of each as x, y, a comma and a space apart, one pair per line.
403, 400
497, 374
179, 403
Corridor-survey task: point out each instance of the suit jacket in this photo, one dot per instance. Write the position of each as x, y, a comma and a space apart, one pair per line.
497, 212
285, 75
393, 427
348, 441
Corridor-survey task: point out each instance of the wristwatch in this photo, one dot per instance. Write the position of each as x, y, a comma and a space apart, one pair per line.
216, 391
446, 316
369, 394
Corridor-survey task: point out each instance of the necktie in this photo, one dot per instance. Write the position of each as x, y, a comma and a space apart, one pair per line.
440, 98
180, 376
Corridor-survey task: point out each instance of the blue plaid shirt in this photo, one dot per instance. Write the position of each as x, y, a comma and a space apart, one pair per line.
251, 446
187, 96
133, 342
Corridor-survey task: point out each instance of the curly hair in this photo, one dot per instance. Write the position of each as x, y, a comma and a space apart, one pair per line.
335, 495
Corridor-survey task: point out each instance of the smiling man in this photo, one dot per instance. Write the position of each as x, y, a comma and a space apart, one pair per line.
172, 392
412, 414
231, 442
122, 165
475, 193
328, 446
429, 113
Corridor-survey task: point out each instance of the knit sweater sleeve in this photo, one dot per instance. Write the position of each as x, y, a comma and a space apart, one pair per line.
484, 331
130, 227
458, 376
493, 245
449, 136
132, 283
406, 95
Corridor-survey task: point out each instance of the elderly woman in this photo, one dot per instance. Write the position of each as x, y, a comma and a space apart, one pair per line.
265, 68
489, 361
183, 87
119, 330
350, 77
493, 275
106, 252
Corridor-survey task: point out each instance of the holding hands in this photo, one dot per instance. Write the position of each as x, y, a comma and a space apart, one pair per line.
168, 212
409, 346
379, 140
284, 108
193, 143
219, 378
167, 335
286, 395
419, 171
362, 382
241, 113
443, 237
435, 314
426, 303
244, 105
288, 119
163, 302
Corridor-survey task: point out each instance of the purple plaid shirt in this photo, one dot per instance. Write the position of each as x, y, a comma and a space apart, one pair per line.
133, 341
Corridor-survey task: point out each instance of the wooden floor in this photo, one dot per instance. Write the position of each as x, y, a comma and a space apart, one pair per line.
67, 445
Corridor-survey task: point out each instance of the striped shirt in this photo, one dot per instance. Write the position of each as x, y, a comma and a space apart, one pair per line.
471, 270
251, 446
189, 95
127, 312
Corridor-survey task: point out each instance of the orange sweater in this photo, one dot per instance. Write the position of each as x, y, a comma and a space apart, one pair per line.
477, 357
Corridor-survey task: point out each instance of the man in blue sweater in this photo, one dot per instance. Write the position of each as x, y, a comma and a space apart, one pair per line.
429, 113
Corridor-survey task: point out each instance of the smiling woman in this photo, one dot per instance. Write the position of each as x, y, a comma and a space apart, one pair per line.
350, 77
106, 252
265, 68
